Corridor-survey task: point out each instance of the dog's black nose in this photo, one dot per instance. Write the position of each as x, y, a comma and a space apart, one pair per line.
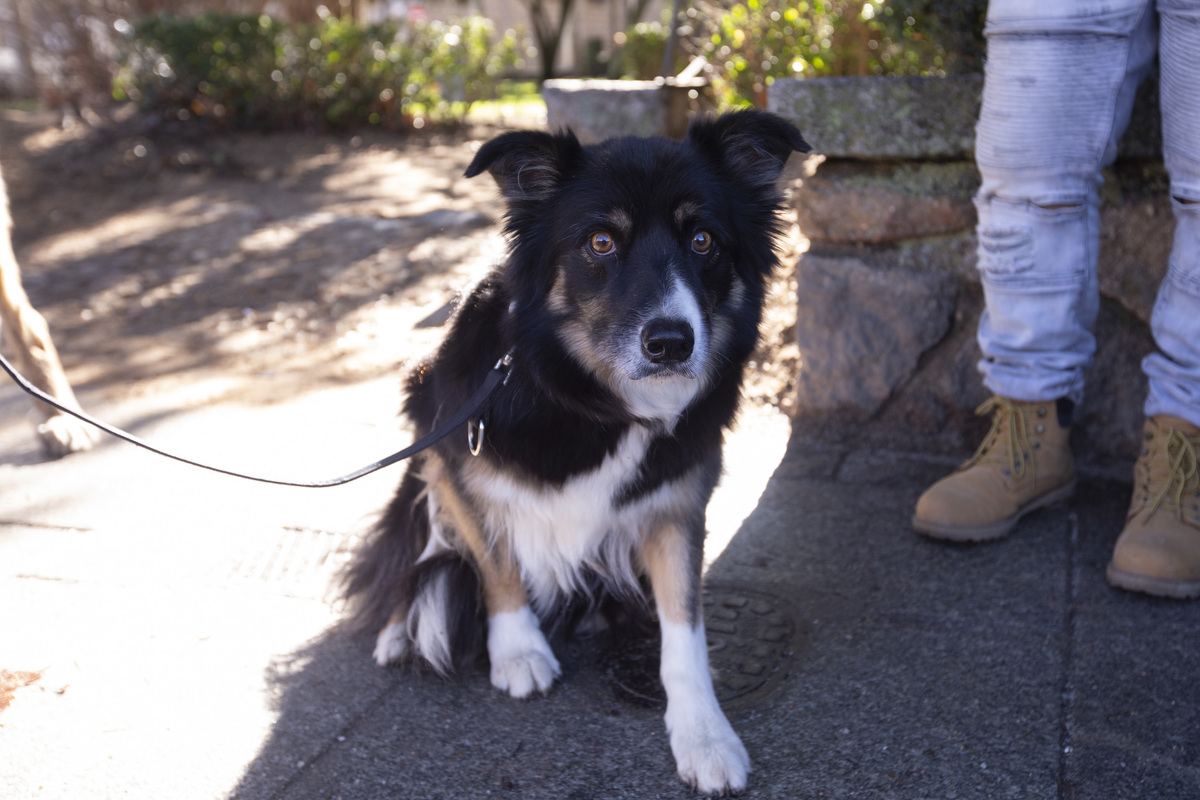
667, 341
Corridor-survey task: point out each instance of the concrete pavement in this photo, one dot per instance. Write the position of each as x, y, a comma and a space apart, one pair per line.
172, 635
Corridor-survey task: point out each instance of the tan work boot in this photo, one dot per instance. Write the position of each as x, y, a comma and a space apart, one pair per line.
1024, 463
1159, 550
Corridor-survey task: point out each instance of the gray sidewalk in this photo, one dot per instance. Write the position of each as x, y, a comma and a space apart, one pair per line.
178, 641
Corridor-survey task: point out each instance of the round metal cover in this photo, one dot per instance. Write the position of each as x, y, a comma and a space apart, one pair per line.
752, 638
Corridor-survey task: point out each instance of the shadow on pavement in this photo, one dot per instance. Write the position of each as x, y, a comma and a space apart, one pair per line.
854, 657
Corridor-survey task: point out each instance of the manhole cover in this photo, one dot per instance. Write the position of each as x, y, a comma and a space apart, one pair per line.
752, 637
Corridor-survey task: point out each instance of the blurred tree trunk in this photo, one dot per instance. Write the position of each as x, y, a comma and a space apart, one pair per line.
20, 17
633, 13
851, 46
301, 10
82, 79
548, 33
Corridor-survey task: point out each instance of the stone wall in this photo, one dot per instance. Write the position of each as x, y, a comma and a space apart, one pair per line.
889, 296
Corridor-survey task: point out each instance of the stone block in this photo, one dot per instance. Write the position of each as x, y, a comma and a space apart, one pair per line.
1143, 136
861, 330
1137, 228
1109, 420
877, 202
955, 254
937, 405
599, 109
916, 118
876, 118
1135, 245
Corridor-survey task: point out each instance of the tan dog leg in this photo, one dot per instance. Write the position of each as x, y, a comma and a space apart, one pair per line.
708, 754
26, 331
521, 659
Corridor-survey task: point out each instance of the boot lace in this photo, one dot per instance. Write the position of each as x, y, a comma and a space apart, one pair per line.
1183, 474
1008, 423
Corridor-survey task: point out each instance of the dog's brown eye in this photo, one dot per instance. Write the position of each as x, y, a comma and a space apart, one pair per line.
702, 242
602, 243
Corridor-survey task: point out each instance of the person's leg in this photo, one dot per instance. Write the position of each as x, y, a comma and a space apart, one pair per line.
1173, 372
1159, 550
1057, 95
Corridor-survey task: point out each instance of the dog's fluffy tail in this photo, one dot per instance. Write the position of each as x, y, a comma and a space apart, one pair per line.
437, 596
446, 621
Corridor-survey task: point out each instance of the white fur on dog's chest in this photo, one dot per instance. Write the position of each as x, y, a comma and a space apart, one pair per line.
554, 533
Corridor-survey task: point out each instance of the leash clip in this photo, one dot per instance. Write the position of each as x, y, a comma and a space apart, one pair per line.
476, 427
504, 365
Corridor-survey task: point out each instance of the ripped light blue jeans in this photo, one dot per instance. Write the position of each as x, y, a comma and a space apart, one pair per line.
1059, 87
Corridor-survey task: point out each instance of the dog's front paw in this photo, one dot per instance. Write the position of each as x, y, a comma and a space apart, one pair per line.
391, 645
62, 435
709, 755
520, 674
521, 659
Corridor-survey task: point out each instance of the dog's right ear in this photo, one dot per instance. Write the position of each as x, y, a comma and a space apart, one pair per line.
753, 145
527, 165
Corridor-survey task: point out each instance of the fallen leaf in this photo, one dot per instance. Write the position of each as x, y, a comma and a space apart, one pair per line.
10, 681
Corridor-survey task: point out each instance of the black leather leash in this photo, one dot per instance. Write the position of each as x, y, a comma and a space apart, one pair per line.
465, 416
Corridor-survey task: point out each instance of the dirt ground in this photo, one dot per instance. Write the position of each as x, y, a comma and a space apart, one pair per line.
266, 264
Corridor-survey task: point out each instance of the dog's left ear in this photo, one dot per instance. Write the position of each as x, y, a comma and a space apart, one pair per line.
753, 145
527, 165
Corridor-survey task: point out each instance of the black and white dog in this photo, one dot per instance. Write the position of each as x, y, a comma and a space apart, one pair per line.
630, 301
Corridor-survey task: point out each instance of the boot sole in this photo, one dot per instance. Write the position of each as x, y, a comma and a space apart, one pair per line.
991, 531
1148, 584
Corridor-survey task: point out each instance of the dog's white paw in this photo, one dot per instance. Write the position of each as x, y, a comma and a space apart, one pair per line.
521, 659
391, 645
62, 435
708, 754
521, 674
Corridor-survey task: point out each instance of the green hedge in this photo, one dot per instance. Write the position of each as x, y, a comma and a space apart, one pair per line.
256, 72
756, 41
750, 43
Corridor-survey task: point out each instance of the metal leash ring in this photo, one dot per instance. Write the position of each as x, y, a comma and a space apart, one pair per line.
475, 430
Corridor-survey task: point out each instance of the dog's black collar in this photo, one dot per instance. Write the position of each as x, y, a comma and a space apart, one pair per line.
471, 412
